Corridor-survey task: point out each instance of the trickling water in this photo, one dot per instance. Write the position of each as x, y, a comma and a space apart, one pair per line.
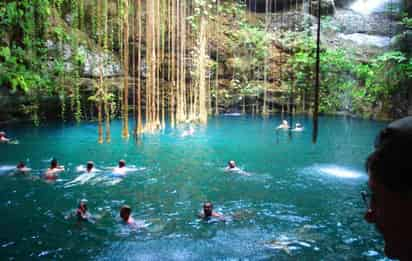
300, 201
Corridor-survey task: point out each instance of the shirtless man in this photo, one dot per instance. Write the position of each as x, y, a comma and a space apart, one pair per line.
125, 214
284, 125
121, 169
54, 170
231, 166
21, 168
208, 212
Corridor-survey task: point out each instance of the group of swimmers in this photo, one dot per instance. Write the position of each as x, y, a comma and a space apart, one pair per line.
285, 126
52, 172
82, 213
125, 214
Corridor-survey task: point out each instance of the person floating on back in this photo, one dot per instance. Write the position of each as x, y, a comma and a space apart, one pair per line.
389, 205
21, 168
125, 215
284, 125
3, 138
208, 212
54, 170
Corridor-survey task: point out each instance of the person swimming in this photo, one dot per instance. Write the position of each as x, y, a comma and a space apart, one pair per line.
208, 212
54, 170
125, 215
188, 132
121, 168
89, 166
298, 127
231, 166
3, 138
82, 213
284, 125
21, 168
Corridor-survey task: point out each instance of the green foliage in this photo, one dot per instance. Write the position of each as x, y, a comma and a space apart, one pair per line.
345, 83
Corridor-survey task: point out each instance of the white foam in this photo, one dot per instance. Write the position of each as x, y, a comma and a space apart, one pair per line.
340, 172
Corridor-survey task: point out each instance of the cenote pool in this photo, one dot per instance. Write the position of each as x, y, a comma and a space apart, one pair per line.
300, 202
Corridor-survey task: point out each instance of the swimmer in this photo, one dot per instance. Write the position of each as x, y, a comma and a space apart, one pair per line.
208, 212
89, 168
125, 214
298, 127
21, 168
121, 169
55, 168
81, 211
3, 138
231, 166
189, 132
284, 125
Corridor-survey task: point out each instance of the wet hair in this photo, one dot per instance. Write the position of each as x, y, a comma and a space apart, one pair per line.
390, 164
125, 212
231, 164
83, 202
89, 164
208, 204
122, 163
20, 165
53, 163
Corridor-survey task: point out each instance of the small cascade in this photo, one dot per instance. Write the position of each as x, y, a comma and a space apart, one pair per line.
367, 7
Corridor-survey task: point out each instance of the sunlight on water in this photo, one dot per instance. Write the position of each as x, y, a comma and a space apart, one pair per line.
340, 172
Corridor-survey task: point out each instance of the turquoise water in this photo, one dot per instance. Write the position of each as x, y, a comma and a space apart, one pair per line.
300, 202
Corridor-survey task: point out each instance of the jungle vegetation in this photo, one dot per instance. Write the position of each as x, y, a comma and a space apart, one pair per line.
179, 61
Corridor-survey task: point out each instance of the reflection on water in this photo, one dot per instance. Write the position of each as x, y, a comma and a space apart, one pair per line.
301, 201
335, 171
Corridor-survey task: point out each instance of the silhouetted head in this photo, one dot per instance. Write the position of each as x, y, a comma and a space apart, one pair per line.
2, 134
390, 181
21, 165
231, 164
207, 209
122, 163
298, 125
125, 212
83, 205
89, 166
53, 164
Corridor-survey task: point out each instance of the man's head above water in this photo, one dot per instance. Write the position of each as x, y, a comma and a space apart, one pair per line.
207, 209
390, 181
